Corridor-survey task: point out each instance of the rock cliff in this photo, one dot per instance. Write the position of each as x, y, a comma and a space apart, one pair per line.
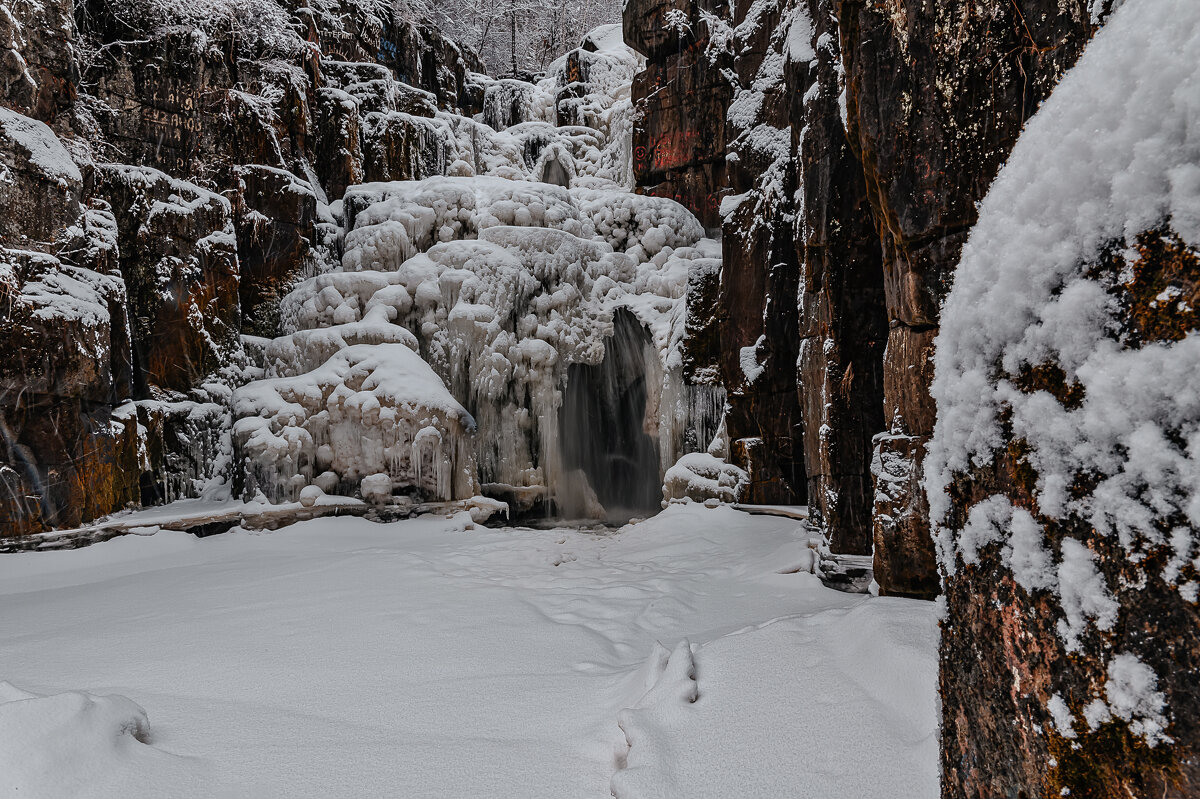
860, 140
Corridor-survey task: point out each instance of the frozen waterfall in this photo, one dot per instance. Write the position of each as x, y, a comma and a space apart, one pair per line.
508, 325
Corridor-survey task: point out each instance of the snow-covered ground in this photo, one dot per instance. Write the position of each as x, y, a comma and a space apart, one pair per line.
432, 658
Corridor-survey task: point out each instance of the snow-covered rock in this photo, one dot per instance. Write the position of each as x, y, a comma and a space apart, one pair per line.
700, 477
1064, 470
369, 410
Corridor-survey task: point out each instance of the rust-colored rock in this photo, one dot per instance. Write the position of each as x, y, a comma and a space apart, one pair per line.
933, 117
681, 100
179, 261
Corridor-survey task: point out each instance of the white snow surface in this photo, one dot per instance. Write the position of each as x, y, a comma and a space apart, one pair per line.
1114, 152
429, 658
44, 149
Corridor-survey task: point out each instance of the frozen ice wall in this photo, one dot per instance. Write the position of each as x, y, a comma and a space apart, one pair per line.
434, 360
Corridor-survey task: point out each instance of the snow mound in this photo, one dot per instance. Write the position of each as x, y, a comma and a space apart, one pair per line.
77, 744
699, 476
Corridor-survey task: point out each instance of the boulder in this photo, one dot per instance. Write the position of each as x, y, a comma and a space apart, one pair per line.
1062, 467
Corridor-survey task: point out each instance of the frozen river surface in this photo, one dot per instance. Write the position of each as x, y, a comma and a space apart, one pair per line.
683, 656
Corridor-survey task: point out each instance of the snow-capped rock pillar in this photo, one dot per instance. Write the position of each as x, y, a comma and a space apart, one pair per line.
933, 117
1064, 470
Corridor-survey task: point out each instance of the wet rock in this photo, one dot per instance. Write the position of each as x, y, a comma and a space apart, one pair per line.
180, 265
843, 323
760, 273
276, 214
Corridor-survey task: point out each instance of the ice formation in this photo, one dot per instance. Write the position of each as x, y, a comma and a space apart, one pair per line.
434, 359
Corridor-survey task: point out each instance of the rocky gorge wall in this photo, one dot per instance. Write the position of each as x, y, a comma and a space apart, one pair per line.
860, 139
222, 280
127, 288
857, 142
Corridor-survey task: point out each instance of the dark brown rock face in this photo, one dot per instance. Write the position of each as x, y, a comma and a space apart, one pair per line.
681, 100
179, 261
65, 335
38, 65
932, 118
843, 324
276, 214
760, 273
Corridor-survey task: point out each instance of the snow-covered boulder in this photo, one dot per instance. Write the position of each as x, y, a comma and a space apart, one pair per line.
1064, 471
700, 477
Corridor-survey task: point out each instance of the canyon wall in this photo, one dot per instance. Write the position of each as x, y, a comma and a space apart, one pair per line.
127, 288
245, 235
860, 140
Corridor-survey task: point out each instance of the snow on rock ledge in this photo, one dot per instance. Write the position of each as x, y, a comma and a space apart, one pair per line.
1064, 472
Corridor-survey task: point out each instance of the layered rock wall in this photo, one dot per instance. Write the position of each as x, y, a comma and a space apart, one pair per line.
932, 118
858, 140
127, 289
